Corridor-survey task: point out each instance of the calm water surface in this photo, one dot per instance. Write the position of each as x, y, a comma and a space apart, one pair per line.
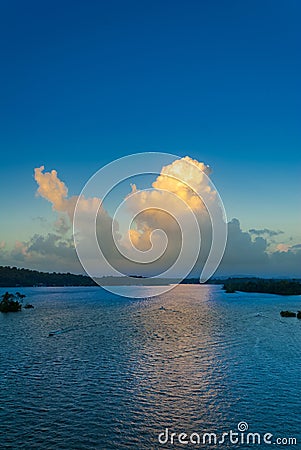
192, 360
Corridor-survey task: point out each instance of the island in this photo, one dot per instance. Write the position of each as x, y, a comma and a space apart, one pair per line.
11, 302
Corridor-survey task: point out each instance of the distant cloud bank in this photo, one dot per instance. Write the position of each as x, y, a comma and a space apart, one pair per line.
247, 252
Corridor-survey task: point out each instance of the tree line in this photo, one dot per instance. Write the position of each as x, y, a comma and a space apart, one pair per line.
14, 277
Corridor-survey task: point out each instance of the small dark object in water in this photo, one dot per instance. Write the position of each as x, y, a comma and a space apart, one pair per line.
288, 314
299, 315
28, 306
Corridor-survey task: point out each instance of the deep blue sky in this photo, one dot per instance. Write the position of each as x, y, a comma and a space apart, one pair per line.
83, 83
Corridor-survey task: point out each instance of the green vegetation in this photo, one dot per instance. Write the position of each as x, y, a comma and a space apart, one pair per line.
268, 286
11, 302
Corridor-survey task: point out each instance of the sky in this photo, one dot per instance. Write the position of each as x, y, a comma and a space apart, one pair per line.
85, 83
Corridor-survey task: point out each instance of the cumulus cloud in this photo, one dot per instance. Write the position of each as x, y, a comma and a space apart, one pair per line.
56, 192
247, 252
177, 192
49, 252
177, 185
187, 179
245, 255
51, 188
174, 204
177, 188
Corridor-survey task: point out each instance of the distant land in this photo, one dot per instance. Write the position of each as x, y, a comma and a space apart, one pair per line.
262, 285
16, 277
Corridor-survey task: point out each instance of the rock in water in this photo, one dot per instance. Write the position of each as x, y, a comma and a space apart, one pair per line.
288, 314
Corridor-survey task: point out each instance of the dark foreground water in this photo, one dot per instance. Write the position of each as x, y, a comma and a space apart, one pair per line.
194, 360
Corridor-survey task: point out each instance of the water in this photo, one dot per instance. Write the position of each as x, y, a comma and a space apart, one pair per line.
122, 370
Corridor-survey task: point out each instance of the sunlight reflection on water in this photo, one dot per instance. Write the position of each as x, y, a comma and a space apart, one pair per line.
194, 359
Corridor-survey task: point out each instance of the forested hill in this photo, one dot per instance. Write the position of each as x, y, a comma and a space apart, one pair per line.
14, 277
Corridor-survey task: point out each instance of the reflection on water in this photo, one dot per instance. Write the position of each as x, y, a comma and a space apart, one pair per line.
193, 360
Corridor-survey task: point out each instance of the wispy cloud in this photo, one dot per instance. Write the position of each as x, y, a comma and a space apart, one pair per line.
265, 232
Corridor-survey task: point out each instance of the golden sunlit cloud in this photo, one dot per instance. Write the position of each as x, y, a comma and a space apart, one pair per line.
169, 191
173, 190
55, 191
189, 181
184, 178
51, 188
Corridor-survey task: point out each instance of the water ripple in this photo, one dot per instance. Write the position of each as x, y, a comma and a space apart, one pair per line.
117, 371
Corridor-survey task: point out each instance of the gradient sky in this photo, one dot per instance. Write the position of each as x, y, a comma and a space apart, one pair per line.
83, 83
